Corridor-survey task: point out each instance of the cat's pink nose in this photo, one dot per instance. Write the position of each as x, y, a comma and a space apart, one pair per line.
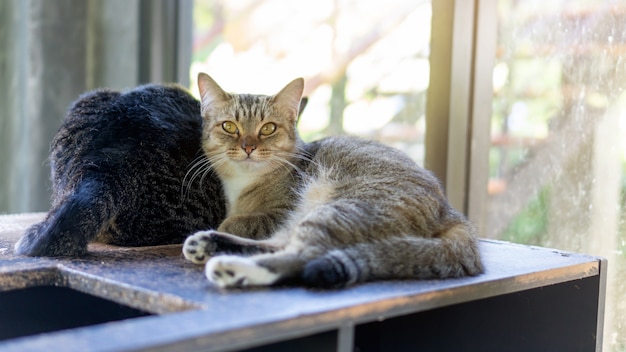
248, 144
248, 148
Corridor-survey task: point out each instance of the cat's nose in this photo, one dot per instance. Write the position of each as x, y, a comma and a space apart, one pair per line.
248, 144
248, 148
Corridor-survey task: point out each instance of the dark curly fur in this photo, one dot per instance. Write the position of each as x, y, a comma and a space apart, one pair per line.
118, 165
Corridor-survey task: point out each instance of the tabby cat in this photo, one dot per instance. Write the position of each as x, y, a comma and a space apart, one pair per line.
330, 213
126, 170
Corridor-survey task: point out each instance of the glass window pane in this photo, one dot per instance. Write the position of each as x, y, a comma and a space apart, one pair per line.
558, 151
365, 63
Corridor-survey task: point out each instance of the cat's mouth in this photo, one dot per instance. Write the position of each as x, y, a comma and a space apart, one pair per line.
249, 161
253, 162
255, 165
253, 157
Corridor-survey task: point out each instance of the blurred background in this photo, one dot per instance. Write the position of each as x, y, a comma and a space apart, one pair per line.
518, 106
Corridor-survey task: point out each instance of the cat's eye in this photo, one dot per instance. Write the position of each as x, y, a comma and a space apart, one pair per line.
268, 129
230, 127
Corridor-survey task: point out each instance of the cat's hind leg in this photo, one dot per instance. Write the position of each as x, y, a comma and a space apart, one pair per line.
203, 245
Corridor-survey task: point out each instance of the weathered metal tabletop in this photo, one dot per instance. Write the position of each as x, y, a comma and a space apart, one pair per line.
527, 297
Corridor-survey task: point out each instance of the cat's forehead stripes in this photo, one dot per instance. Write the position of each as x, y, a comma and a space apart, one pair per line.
248, 106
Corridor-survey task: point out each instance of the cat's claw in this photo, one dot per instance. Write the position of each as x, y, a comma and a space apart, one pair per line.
198, 248
231, 271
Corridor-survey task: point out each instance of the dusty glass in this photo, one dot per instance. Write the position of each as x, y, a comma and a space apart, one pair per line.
558, 150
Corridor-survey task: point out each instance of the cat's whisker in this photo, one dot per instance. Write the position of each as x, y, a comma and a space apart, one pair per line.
200, 169
213, 162
204, 174
303, 156
196, 163
201, 156
197, 167
278, 162
218, 159
284, 162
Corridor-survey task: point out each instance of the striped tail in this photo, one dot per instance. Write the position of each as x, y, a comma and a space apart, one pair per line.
453, 254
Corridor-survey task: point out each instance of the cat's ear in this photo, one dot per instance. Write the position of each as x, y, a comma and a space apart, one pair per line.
210, 91
303, 103
290, 97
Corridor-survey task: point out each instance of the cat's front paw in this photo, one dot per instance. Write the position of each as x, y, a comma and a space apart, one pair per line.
199, 247
232, 271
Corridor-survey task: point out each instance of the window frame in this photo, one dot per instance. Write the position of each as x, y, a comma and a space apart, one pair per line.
458, 107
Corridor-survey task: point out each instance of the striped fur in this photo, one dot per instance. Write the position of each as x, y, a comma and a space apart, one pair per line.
330, 213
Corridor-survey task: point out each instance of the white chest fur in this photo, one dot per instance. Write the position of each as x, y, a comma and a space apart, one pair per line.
233, 186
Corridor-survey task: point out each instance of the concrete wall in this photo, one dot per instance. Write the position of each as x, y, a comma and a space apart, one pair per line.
53, 50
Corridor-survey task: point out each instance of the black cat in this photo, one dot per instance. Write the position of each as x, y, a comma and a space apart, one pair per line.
127, 170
